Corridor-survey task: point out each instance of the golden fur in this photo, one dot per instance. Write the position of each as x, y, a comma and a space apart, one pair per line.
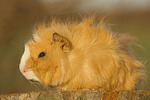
83, 55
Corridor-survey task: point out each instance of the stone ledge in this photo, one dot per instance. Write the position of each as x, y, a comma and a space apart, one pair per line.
79, 95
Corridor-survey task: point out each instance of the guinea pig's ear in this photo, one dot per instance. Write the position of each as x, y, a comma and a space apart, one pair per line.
64, 42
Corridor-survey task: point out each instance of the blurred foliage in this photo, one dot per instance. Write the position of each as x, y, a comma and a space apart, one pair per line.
17, 18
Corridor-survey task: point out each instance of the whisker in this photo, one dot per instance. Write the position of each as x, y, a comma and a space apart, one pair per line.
15, 45
37, 87
45, 87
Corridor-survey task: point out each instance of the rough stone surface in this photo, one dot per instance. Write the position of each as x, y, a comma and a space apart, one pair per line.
79, 95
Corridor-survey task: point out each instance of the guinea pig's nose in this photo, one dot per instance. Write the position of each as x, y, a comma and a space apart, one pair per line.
24, 70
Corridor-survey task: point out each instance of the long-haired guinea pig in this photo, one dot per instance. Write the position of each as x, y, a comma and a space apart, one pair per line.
80, 55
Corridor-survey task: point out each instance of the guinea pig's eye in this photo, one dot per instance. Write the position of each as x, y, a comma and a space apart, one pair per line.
42, 54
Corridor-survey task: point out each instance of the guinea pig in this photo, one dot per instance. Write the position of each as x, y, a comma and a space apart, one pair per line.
80, 55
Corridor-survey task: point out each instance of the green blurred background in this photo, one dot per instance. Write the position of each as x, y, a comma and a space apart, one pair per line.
18, 17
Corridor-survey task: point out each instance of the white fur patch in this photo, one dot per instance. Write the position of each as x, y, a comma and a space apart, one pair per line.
29, 73
36, 37
24, 58
63, 74
63, 71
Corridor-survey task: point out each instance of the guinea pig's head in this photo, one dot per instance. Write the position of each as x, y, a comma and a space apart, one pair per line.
45, 59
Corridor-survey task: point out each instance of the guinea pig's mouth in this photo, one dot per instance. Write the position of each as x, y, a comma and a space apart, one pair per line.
33, 81
50, 86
